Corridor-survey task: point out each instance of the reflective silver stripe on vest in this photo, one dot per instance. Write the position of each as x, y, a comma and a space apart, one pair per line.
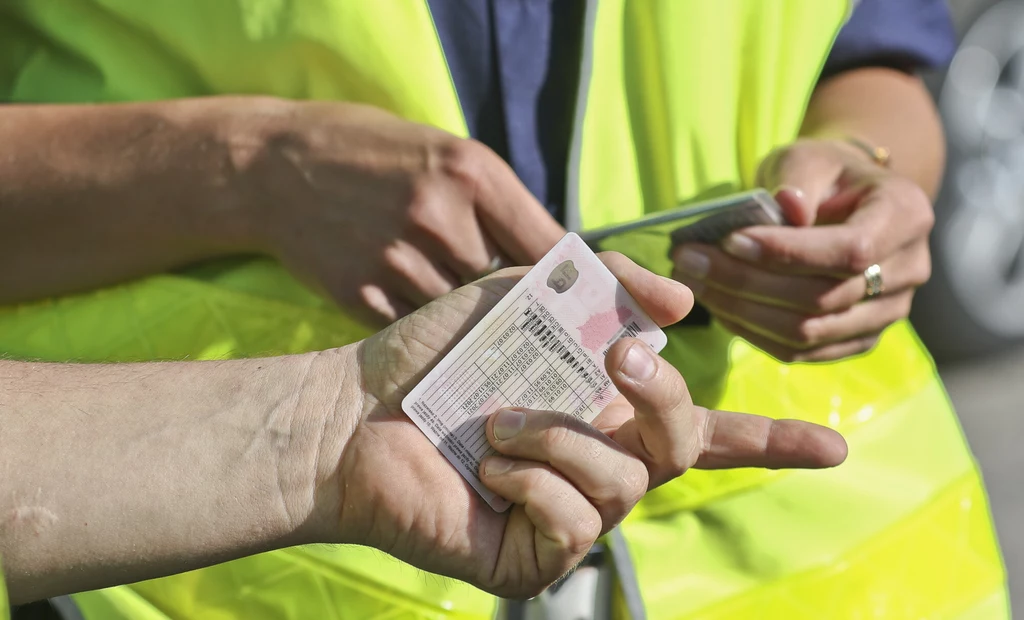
626, 571
586, 593
67, 608
573, 220
853, 7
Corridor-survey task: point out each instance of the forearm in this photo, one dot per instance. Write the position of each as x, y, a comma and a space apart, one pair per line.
115, 473
95, 194
887, 108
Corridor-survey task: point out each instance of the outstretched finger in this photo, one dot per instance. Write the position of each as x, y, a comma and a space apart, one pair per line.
671, 434
741, 440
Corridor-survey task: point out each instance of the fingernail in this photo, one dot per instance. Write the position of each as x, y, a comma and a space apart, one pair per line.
696, 287
508, 423
496, 465
694, 263
796, 192
742, 246
681, 281
639, 363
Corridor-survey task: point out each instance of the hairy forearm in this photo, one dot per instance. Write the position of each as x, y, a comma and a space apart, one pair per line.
883, 107
96, 194
115, 473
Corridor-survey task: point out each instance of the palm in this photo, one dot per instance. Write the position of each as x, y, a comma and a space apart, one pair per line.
432, 517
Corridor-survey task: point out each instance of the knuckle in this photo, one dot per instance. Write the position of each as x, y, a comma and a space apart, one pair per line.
915, 204
474, 261
780, 252
782, 353
555, 439
534, 481
578, 530
903, 306
682, 458
374, 298
787, 356
926, 270
926, 219
634, 485
790, 157
393, 257
826, 299
809, 331
675, 463
860, 252
425, 203
463, 160
866, 344
674, 393
587, 529
735, 276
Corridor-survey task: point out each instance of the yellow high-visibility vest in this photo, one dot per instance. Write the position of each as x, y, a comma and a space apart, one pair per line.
678, 98
4, 607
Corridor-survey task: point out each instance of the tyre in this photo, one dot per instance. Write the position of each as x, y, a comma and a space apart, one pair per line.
974, 303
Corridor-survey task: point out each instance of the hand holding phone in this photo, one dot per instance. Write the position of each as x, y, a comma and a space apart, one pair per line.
650, 240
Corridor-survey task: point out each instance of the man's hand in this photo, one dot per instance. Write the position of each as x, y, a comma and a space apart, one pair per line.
381, 214
799, 293
569, 481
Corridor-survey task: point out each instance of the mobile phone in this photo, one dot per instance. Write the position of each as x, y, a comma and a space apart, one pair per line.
649, 240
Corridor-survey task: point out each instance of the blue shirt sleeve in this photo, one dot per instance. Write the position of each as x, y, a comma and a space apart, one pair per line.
903, 34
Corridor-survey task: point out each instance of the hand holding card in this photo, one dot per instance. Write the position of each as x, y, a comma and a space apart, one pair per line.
542, 346
569, 480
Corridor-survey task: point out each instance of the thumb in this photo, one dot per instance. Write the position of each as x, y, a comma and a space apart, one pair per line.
802, 176
663, 431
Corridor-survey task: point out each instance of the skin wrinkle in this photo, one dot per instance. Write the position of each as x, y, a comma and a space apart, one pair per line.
706, 435
321, 436
286, 409
32, 515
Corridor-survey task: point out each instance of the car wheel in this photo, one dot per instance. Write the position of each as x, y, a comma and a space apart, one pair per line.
974, 303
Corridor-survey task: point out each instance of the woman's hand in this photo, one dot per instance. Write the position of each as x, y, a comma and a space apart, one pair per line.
569, 481
800, 293
381, 214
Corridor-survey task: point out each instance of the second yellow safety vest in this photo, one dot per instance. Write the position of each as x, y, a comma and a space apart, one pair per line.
678, 99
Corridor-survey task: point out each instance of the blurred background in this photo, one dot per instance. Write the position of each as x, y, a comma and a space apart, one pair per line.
971, 314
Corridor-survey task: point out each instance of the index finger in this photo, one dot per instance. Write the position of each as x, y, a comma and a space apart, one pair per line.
743, 440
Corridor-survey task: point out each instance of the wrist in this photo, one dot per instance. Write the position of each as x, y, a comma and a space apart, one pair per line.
330, 408
240, 133
856, 146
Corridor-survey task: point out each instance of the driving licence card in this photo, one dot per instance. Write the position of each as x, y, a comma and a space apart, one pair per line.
541, 347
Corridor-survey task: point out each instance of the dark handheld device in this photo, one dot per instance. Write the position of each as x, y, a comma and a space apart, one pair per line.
649, 240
